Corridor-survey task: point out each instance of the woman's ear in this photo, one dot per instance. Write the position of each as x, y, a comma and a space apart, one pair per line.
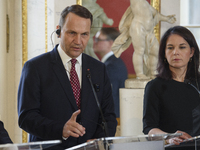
192, 50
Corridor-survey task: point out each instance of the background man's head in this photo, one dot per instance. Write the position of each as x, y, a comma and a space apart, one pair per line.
104, 39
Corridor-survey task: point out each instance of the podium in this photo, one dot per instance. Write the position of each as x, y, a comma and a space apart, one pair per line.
30, 146
143, 142
191, 144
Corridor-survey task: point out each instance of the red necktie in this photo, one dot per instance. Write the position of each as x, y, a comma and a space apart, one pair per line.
75, 83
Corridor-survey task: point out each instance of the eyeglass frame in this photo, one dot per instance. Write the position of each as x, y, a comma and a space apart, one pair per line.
96, 40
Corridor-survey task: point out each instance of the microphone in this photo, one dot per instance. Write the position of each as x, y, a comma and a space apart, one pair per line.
104, 124
188, 82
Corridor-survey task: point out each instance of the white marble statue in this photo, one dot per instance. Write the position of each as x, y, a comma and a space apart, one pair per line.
99, 18
137, 26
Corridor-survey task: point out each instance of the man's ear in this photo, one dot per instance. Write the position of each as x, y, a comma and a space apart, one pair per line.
57, 27
111, 43
58, 31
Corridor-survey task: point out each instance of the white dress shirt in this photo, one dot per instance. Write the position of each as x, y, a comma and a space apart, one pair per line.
67, 63
105, 57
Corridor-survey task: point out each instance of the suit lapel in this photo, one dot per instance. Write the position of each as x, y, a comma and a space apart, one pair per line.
86, 89
61, 74
109, 60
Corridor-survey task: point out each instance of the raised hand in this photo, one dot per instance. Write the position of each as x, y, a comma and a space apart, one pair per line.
72, 128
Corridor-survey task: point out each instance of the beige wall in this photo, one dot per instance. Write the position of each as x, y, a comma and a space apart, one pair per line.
10, 65
169, 7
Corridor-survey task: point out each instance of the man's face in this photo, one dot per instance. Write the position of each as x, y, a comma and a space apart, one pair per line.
75, 34
101, 44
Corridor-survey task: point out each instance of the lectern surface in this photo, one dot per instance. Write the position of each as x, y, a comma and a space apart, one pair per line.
189, 145
152, 142
30, 146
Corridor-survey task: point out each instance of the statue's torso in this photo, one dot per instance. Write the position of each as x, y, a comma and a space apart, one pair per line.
142, 12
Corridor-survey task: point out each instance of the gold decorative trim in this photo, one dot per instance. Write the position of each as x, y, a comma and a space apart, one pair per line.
24, 32
7, 33
79, 2
156, 5
24, 137
118, 121
130, 76
24, 48
46, 36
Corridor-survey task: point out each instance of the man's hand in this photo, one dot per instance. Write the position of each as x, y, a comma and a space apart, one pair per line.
72, 128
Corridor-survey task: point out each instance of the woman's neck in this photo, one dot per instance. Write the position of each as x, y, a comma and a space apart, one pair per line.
179, 74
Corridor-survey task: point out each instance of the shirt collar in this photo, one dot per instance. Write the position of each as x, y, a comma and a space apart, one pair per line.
65, 58
105, 57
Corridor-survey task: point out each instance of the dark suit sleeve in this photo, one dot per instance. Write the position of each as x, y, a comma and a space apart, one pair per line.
107, 106
30, 118
4, 137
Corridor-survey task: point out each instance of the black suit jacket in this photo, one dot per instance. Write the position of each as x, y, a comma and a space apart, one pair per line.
46, 101
4, 137
117, 73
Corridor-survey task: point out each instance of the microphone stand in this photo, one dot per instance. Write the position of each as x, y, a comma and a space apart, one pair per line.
104, 123
188, 82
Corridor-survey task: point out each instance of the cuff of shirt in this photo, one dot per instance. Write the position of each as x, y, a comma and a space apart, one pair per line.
64, 138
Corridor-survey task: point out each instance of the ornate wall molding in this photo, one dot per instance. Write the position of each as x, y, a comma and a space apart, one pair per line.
24, 48
7, 33
24, 32
156, 5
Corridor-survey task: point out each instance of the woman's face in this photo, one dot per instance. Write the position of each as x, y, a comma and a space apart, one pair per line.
178, 52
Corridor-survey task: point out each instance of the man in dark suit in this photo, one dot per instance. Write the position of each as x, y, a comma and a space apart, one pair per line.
4, 137
116, 68
49, 108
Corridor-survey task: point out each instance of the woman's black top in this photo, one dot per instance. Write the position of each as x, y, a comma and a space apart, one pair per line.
170, 106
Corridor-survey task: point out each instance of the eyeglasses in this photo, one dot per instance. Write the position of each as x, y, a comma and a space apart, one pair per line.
99, 40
